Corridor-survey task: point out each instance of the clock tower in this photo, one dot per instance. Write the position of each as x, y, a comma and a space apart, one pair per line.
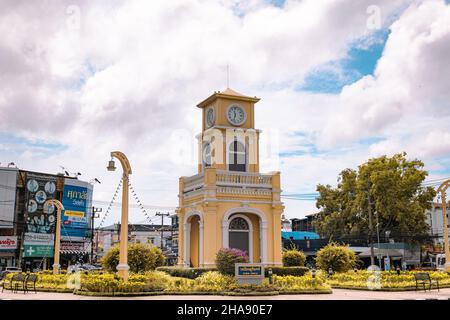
229, 203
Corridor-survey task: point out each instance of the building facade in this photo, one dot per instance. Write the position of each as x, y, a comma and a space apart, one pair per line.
109, 236
27, 221
229, 203
435, 220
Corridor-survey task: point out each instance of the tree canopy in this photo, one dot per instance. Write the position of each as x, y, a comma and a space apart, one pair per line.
392, 186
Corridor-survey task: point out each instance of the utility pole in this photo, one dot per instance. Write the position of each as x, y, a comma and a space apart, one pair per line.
162, 225
94, 215
372, 254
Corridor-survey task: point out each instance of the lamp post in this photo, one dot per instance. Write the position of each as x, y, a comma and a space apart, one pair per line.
122, 267
387, 233
59, 209
442, 189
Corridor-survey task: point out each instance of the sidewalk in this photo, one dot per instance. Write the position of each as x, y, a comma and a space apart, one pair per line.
338, 294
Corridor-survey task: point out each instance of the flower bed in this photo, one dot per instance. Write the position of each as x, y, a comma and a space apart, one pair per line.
160, 283
384, 281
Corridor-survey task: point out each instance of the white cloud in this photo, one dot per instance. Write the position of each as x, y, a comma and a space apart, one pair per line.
129, 77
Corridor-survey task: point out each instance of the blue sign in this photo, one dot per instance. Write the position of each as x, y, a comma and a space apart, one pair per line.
76, 217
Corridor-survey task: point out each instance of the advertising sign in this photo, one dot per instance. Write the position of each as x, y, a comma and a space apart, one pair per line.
8, 243
40, 216
8, 178
38, 245
77, 202
72, 247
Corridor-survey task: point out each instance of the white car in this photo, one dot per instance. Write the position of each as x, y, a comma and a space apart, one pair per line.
9, 270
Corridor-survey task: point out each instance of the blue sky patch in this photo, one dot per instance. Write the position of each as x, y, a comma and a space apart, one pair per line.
14, 145
361, 60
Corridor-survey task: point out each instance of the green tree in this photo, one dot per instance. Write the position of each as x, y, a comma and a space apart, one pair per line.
397, 199
141, 258
293, 258
338, 258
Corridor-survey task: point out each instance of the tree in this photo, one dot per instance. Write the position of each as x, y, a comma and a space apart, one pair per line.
141, 258
338, 258
293, 258
392, 186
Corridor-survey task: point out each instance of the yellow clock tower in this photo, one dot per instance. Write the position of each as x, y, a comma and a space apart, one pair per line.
229, 203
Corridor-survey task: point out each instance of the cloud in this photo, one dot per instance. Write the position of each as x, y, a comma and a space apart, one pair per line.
126, 75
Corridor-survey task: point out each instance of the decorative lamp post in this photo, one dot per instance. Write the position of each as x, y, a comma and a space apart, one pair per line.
59, 209
442, 190
122, 267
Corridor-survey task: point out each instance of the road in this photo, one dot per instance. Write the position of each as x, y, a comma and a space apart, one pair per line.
338, 294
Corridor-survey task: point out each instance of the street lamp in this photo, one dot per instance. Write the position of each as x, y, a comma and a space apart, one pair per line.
59, 209
443, 189
122, 267
387, 233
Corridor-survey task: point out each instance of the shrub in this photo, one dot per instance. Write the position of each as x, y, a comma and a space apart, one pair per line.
338, 258
288, 271
293, 258
291, 283
141, 258
214, 281
226, 259
189, 273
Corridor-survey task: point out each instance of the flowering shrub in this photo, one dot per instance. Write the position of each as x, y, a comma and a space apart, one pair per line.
293, 258
226, 259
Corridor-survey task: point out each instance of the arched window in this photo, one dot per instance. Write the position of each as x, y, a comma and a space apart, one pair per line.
206, 154
239, 234
238, 224
236, 156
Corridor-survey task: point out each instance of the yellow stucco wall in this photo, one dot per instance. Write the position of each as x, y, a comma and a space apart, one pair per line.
194, 241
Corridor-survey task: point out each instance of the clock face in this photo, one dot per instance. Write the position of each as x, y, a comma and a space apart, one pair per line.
210, 117
236, 114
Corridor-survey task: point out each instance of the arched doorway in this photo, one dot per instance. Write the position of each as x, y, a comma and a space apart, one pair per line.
240, 235
193, 240
259, 221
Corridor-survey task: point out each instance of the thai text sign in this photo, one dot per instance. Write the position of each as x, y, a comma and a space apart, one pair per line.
8, 243
77, 202
249, 273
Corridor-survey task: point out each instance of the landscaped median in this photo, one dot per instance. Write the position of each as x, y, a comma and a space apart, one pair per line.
383, 280
161, 283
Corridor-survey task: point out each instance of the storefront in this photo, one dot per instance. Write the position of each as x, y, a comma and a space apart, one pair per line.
73, 253
8, 247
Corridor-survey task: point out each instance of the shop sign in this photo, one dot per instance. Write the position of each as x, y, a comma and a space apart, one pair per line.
8, 243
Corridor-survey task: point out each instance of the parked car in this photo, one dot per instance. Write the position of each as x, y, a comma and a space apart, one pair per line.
9, 270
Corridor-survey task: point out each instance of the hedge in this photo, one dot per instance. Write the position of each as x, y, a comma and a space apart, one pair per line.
287, 271
189, 273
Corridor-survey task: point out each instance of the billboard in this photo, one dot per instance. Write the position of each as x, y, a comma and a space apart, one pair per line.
8, 179
76, 217
38, 245
40, 216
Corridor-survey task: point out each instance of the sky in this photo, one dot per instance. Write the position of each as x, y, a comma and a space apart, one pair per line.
340, 81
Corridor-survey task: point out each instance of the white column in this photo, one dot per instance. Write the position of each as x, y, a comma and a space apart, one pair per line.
263, 244
225, 235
